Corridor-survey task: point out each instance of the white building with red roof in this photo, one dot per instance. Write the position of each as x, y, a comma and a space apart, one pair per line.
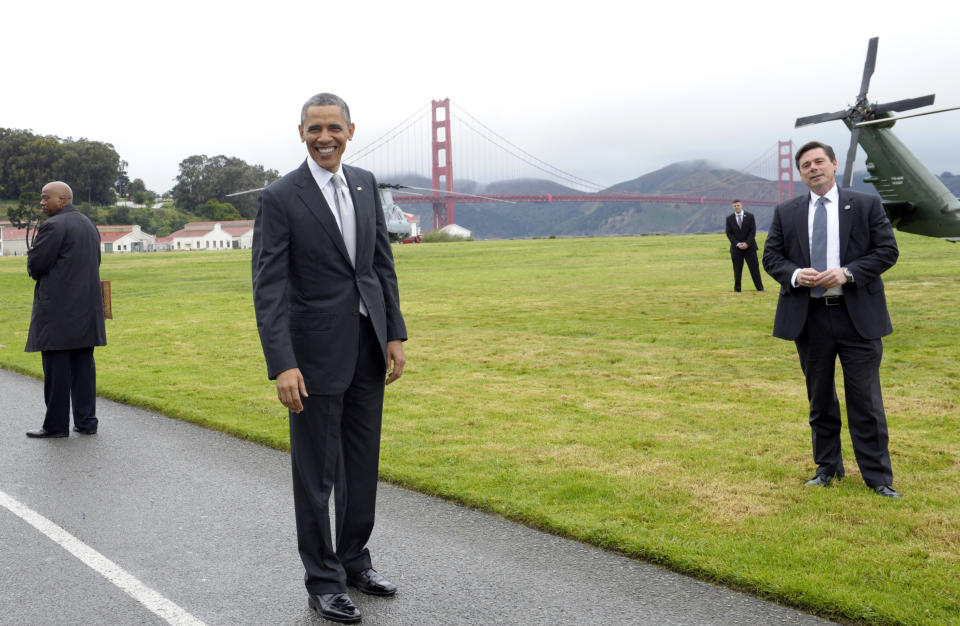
124, 238
113, 238
13, 240
227, 235
163, 244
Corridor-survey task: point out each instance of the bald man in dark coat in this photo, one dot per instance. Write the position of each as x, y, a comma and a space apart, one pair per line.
67, 320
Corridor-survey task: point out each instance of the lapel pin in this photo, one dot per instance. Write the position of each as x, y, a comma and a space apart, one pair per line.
359, 188
846, 207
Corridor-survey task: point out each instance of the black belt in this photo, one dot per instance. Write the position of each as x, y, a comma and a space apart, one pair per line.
828, 300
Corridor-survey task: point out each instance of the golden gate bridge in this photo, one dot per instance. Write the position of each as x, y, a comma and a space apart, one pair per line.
409, 149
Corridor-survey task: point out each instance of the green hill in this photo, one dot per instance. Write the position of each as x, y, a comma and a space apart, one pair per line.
688, 178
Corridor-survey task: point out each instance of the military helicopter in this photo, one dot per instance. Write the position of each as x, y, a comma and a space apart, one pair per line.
400, 228
915, 200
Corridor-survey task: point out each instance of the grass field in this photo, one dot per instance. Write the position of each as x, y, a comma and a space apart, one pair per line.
611, 390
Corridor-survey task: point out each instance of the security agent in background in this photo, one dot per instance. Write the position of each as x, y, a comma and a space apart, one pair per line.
742, 233
67, 320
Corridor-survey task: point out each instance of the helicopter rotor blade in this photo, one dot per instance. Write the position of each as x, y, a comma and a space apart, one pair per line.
868, 67
822, 117
240, 193
904, 105
903, 117
847, 180
449, 193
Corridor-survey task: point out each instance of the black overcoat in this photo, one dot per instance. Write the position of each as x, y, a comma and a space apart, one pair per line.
67, 301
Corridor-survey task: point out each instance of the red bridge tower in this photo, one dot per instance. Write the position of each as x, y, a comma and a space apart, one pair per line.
784, 167
442, 163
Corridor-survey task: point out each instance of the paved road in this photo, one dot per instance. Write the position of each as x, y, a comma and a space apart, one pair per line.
206, 522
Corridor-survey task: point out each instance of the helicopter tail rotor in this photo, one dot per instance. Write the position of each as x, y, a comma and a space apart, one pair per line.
847, 179
822, 117
863, 113
868, 67
904, 105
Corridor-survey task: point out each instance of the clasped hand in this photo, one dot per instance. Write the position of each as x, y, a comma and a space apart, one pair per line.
810, 277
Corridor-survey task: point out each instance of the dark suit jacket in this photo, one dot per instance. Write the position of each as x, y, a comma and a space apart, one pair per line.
67, 301
306, 293
868, 248
746, 233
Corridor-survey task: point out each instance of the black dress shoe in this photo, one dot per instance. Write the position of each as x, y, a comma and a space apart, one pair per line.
821, 480
886, 491
85, 432
43, 434
370, 581
336, 607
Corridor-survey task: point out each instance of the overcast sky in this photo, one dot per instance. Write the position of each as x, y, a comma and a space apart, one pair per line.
606, 89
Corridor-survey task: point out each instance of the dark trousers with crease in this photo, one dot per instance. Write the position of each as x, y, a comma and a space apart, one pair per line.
738, 256
829, 334
335, 441
69, 378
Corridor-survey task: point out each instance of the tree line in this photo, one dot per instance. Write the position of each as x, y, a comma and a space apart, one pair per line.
204, 182
29, 161
98, 177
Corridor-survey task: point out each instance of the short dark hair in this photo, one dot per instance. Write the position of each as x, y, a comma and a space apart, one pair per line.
323, 100
736, 200
813, 145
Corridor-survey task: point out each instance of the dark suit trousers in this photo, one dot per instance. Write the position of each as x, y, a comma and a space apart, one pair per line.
829, 333
750, 256
336, 441
69, 376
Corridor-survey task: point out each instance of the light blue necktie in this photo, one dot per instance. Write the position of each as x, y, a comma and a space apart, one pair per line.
818, 244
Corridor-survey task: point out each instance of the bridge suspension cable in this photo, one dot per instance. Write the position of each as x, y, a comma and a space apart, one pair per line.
523, 155
404, 150
389, 136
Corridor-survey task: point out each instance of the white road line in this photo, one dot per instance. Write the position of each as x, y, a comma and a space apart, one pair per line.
156, 603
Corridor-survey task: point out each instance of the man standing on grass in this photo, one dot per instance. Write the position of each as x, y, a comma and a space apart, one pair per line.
67, 320
742, 233
328, 313
827, 250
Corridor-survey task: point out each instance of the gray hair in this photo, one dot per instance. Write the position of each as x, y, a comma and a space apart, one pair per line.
323, 100
62, 189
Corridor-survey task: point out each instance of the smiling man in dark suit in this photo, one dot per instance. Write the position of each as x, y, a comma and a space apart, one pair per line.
328, 313
827, 250
742, 233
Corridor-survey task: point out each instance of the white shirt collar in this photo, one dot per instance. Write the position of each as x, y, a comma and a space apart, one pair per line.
323, 176
832, 196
